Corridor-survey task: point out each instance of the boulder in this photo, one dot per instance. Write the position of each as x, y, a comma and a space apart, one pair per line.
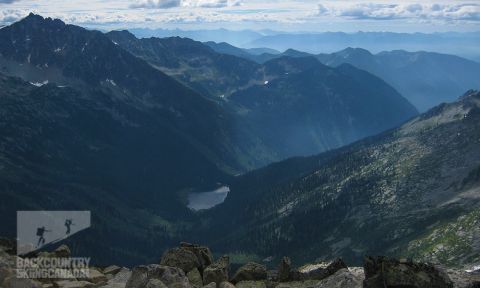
226, 284
210, 285
251, 284
62, 252
170, 276
203, 253
118, 280
8, 245
250, 272
73, 284
318, 271
155, 283
463, 279
95, 276
218, 271
111, 270
284, 270
343, 278
385, 272
298, 284
122, 276
182, 258
14, 282
195, 278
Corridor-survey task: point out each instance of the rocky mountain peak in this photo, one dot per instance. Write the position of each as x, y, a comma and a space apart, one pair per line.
471, 94
34, 19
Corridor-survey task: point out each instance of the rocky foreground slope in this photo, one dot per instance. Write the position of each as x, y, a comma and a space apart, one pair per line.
193, 266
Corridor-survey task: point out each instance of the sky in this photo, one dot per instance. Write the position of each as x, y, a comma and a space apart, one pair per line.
290, 15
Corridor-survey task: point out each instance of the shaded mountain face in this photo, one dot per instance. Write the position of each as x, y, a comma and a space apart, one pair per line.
425, 79
254, 54
293, 105
66, 149
406, 192
107, 126
306, 105
191, 62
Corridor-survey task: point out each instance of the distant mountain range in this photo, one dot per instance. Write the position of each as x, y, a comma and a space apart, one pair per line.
412, 191
237, 38
296, 106
426, 79
461, 44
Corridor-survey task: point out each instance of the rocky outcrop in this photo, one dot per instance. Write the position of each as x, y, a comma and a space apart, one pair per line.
251, 284
318, 271
195, 278
386, 272
62, 252
284, 270
218, 271
250, 272
170, 276
181, 258
226, 285
377, 272
203, 253
211, 285
342, 278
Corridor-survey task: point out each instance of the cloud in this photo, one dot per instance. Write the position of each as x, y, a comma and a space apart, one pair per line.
10, 15
166, 4
401, 10
157, 4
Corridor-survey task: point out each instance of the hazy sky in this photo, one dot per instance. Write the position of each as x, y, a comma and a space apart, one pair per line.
289, 15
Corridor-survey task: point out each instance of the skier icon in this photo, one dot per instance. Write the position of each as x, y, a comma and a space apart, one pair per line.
68, 223
40, 233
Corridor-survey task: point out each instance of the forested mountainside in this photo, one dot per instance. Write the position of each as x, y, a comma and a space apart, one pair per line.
410, 192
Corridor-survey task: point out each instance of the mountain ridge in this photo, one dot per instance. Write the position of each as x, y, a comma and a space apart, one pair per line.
385, 194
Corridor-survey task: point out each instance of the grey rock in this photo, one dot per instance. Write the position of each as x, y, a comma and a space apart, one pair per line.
111, 270
73, 284
195, 278
170, 276
382, 271
62, 252
210, 285
218, 271
226, 284
250, 272
95, 276
343, 278
155, 283
251, 284
182, 258
203, 253
284, 270
318, 271
122, 276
